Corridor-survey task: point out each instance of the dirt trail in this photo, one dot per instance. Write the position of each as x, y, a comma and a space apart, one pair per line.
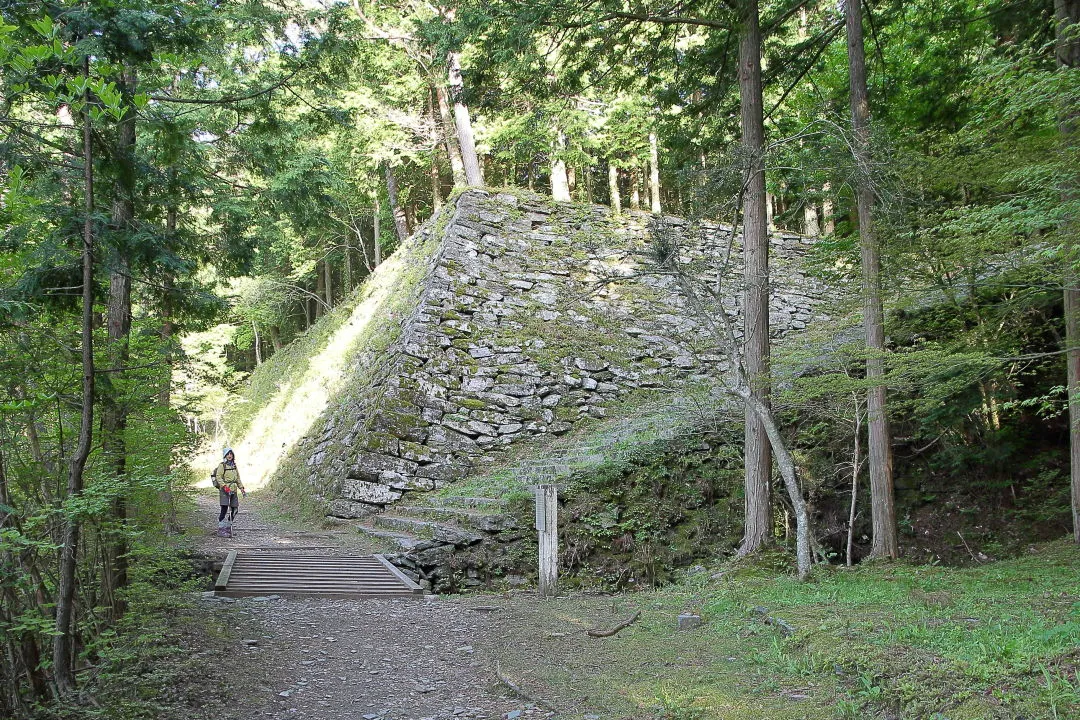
385, 659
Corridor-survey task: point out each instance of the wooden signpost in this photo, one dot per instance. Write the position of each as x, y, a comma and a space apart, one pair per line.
547, 526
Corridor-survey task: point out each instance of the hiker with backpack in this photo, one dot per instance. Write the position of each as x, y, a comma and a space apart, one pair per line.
226, 478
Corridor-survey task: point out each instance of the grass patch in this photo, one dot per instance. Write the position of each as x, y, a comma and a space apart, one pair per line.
881, 640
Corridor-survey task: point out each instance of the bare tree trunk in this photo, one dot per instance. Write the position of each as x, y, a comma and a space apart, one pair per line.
167, 325
758, 458
433, 168
453, 149
320, 288
473, 176
275, 337
347, 270
114, 412
171, 522
827, 210
811, 225
1067, 15
256, 343
654, 173
738, 385
48, 467
436, 185
27, 650
856, 467
328, 283
635, 188
560, 183
376, 245
400, 223
63, 668
879, 447
770, 211
613, 189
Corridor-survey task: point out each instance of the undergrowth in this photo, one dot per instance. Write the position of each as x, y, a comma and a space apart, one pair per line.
167, 658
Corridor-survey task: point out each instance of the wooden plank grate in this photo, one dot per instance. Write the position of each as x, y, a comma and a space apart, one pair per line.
289, 574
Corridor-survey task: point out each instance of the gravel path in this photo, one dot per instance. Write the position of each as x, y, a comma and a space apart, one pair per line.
382, 659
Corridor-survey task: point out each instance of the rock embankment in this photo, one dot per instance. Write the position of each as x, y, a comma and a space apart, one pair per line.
530, 317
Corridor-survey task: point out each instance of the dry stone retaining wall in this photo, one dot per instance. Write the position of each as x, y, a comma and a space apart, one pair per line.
530, 316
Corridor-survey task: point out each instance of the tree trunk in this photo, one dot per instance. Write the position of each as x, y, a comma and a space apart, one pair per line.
453, 149
347, 270
27, 650
737, 385
328, 283
879, 446
275, 337
654, 173
757, 455
613, 189
376, 232
114, 410
856, 466
320, 288
473, 177
170, 521
811, 224
63, 655
255, 342
827, 210
433, 167
1067, 15
635, 188
436, 185
401, 226
167, 325
560, 183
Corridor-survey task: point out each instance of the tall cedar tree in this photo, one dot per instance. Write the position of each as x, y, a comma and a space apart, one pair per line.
883, 512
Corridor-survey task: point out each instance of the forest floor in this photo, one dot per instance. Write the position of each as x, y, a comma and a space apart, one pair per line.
884, 641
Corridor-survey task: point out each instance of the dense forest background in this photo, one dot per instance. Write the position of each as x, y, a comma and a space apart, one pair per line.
188, 186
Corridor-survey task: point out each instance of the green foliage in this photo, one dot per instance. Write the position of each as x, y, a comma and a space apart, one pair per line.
157, 661
631, 525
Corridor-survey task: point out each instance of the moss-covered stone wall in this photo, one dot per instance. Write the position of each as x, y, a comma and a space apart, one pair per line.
527, 317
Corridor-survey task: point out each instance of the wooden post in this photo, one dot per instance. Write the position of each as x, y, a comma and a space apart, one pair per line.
547, 525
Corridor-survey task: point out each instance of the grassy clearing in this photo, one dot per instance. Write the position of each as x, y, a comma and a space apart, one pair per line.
884, 640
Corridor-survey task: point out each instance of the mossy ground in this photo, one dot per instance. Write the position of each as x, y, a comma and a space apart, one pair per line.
878, 641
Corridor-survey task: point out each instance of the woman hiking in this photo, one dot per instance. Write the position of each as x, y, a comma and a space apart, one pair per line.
226, 479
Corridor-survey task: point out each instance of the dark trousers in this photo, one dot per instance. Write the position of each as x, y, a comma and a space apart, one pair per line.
225, 511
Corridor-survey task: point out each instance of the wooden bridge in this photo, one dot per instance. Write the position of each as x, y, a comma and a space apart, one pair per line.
256, 573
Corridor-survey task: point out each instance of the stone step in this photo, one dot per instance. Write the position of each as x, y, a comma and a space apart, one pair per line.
482, 520
398, 541
427, 529
465, 501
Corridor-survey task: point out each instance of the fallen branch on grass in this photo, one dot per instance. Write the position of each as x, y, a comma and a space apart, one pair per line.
608, 633
517, 689
785, 628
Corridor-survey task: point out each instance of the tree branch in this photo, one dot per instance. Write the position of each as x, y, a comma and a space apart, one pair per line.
229, 98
